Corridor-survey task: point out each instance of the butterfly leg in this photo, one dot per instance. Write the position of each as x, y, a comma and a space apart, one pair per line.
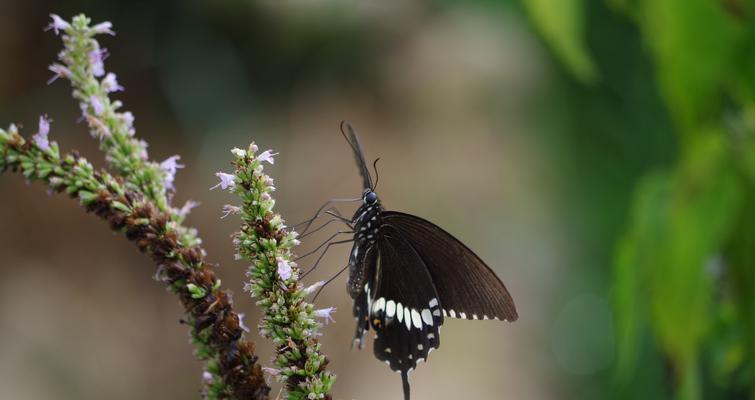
320, 211
319, 258
336, 218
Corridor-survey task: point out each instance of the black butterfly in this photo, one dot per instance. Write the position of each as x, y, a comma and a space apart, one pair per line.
406, 274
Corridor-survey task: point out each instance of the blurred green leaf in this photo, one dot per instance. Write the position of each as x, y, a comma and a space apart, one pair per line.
679, 224
694, 43
561, 22
636, 249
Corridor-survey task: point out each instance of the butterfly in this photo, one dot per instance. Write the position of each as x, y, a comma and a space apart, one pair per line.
406, 275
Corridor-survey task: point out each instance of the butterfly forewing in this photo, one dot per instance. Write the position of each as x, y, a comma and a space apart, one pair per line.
466, 286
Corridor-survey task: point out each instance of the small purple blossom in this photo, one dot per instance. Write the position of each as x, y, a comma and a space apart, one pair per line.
40, 138
267, 155
170, 165
238, 152
110, 83
326, 314
58, 24
271, 371
96, 58
241, 322
226, 180
284, 268
253, 147
230, 209
313, 288
97, 105
103, 27
142, 152
207, 377
265, 196
60, 71
187, 207
269, 182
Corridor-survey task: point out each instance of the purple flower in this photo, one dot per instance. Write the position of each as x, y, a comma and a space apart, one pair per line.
265, 196
187, 207
142, 152
226, 180
110, 83
312, 288
60, 71
229, 209
207, 377
103, 27
269, 182
97, 105
96, 58
40, 138
284, 269
58, 24
238, 152
267, 155
326, 314
241, 322
271, 371
170, 165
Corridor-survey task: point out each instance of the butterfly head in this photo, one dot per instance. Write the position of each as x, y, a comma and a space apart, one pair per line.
369, 197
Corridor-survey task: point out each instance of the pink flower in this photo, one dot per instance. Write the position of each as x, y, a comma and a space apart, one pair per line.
187, 207
267, 155
226, 180
60, 71
170, 165
229, 209
110, 83
96, 58
265, 196
103, 27
97, 105
284, 268
58, 24
40, 138
326, 314
313, 288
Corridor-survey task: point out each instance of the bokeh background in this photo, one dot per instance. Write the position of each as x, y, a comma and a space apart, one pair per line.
599, 154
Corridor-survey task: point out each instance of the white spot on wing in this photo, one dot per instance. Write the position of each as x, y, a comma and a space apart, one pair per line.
427, 317
433, 302
400, 312
407, 318
463, 315
390, 309
452, 313
379, 305
416, 319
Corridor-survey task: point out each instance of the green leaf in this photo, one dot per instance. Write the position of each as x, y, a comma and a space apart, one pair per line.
694, 43
679, 223
561, 24
637, 249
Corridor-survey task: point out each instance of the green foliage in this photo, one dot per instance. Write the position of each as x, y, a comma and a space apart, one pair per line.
684, 267
561, 24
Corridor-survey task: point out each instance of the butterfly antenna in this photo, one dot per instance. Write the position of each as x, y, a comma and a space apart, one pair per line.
405, 382
377, 176
327, 282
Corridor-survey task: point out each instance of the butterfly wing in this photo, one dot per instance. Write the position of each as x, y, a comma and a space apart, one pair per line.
466, 286
404, 307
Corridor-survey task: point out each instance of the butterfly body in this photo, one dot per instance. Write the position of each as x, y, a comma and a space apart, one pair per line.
406, 275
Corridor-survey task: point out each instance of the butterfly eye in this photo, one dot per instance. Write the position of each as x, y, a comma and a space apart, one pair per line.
370, 197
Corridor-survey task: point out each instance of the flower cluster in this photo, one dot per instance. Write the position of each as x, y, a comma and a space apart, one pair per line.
267, 244
135, 200
82, 63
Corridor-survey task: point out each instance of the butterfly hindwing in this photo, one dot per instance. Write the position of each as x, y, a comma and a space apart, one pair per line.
466, 286
404, 311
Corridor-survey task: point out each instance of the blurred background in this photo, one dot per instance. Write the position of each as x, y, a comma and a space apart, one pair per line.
598, 154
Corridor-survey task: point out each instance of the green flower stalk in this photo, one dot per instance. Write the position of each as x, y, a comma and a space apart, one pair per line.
135, 200
267, 244
82, 63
